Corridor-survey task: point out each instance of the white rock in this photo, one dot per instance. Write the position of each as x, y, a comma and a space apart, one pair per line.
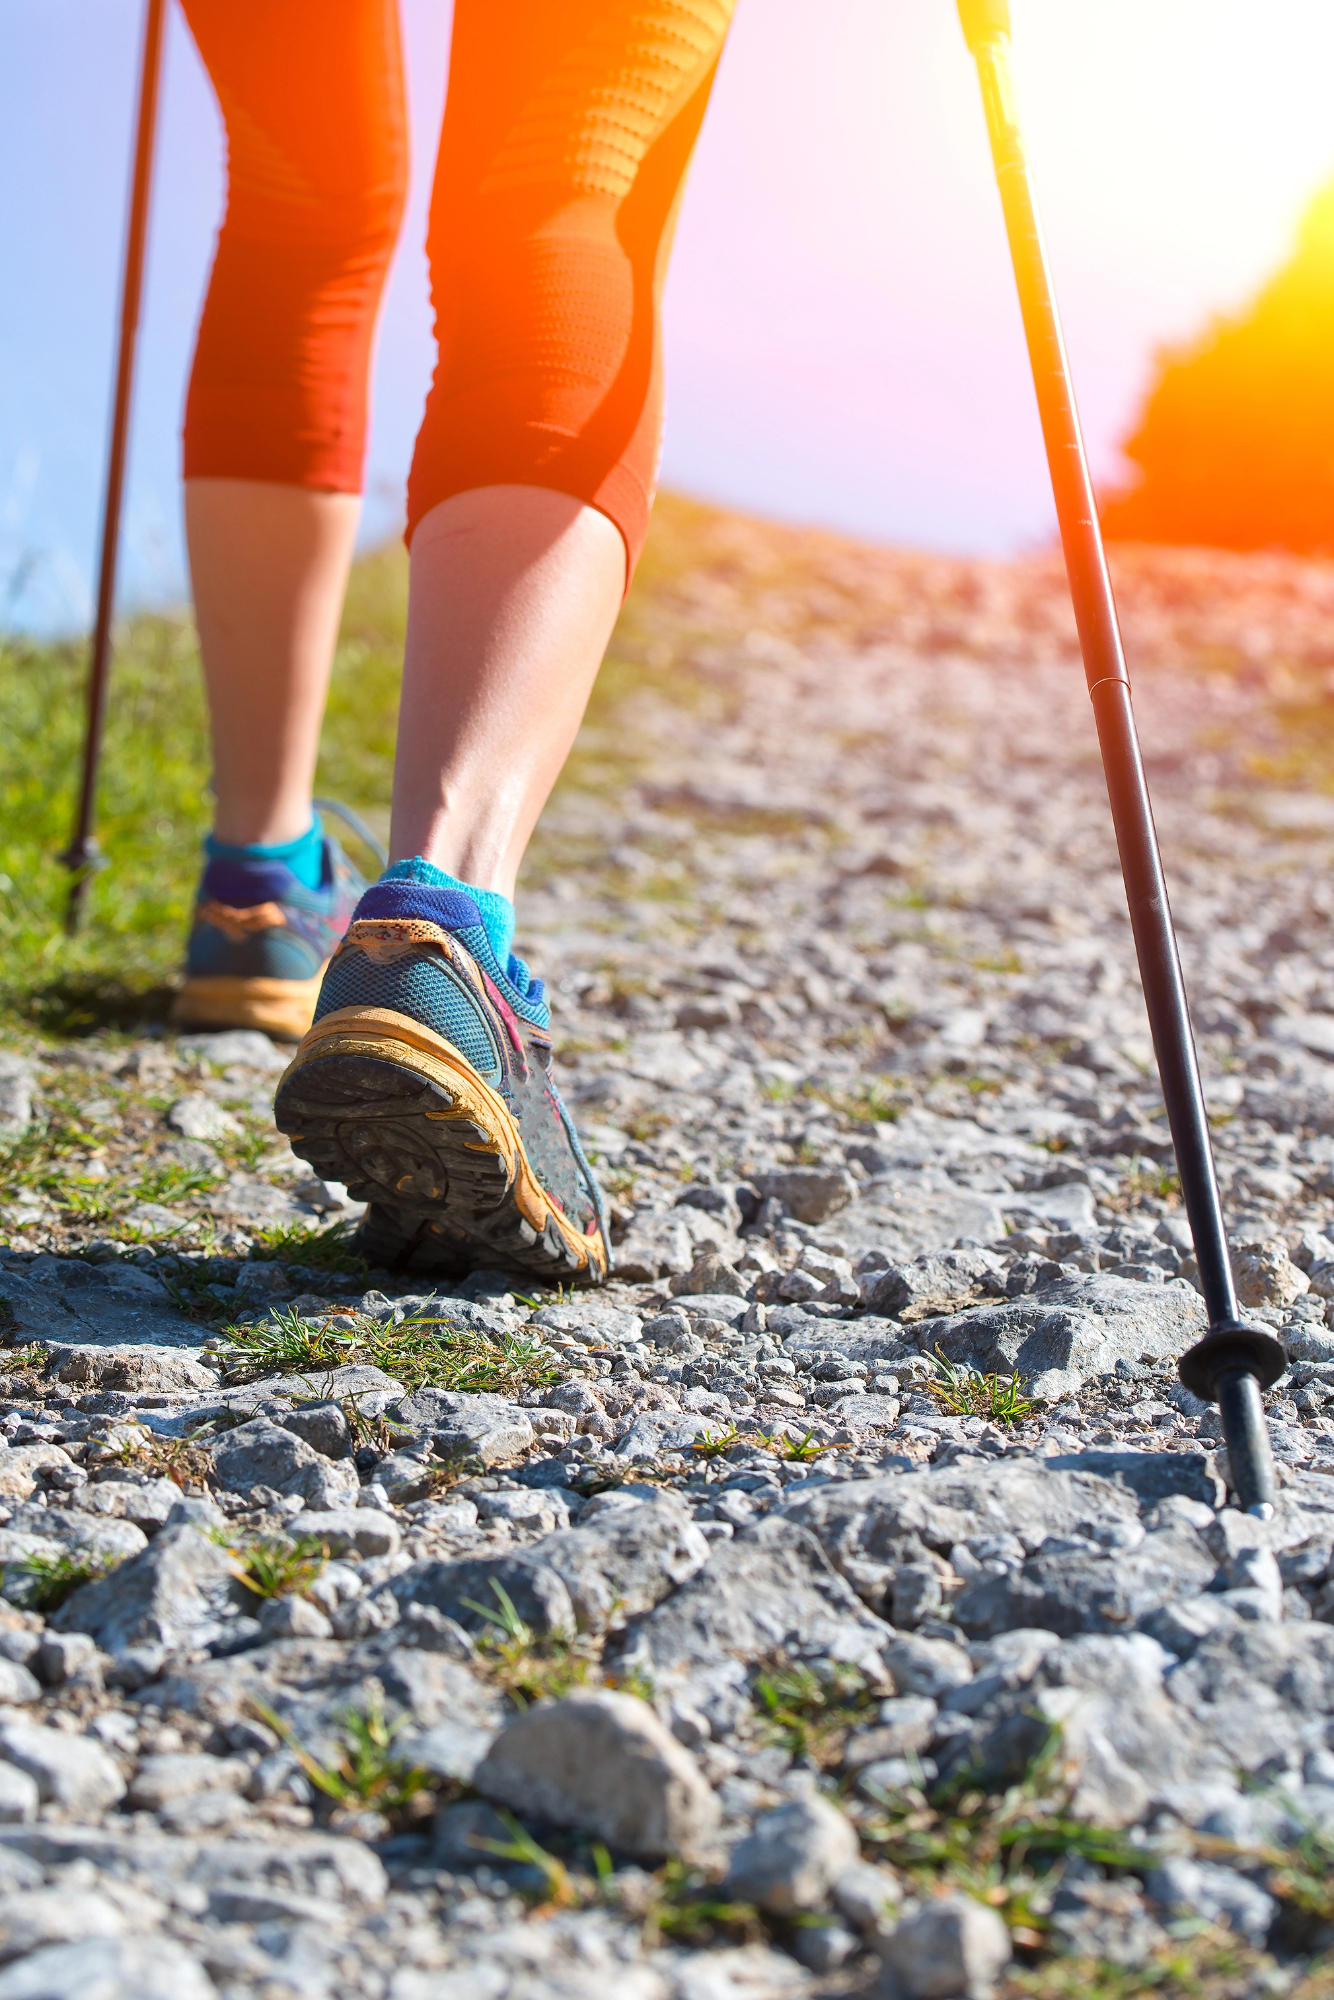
362, 1529
177, 1774
793, 1857
70, 1771
1219, 1895
951, 1947
19, 1797
111, 1969
20, 1465
17, 1685
603, 1764
34, 1917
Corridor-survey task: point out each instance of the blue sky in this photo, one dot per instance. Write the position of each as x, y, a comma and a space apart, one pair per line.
842, 342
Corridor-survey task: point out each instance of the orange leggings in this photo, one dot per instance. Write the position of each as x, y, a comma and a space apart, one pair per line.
568, 128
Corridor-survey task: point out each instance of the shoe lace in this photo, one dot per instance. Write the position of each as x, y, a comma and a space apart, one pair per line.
589, 1178
356, 824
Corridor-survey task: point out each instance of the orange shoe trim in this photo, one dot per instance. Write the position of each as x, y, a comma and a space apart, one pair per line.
380, 1033
281, 1007
238, 924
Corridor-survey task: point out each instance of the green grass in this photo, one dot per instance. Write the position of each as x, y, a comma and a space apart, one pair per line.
431, 1352
269, 1566
552, 1888
810, 1714
49, 1580
283, 1345
319, 1247
530, 1668
966, 1392
371, 1772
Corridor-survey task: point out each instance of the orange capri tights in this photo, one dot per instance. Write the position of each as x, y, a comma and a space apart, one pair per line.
568, 128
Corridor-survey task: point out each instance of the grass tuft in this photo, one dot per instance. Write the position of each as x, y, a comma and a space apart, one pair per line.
49, 1580
370, 1773
686, 1908
321, 1247
428, 1351
966, 1392
802, 1450
555, 1890
809, 1714
527, 1667
272, 1567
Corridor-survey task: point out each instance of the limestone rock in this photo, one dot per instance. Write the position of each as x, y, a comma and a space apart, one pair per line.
17, 1685
468, 1591
656, 1246
625, 1556
927, 1668
710, 1274
262, 1453
18, 1077
198, 1116
1058, 1336
20, 1466
323, 1426
364, 1530
161, 1780
936, 1281
485, 1427
123, 1968
812, 1194
129, 1368
1265, 1274
178, 1592
70, 1771
953, 1946
19, 1797
770, 1588
35, 1917
68, 1300
793, 1857
1185, 1887
602, 1764
1088, 1590
873, 1520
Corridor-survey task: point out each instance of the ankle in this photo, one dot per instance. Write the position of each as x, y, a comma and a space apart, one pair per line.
496, 911
304, 856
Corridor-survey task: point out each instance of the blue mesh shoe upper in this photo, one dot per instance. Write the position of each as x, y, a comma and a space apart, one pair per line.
457, 913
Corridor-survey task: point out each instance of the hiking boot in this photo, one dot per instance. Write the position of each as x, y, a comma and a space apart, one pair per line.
260, 942
425, 1086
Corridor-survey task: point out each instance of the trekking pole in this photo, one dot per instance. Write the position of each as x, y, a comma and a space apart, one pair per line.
1233, 1362
82, 857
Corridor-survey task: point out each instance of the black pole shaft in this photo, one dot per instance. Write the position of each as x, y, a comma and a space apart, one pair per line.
81, 856
986, 27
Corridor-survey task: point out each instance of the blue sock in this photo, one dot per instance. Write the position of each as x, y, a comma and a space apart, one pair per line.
304, 856
496, 911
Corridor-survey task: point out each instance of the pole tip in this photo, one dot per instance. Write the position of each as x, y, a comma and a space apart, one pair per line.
983, 21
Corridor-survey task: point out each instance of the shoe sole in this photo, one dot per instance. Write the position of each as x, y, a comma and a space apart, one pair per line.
377, 1101
284, 1008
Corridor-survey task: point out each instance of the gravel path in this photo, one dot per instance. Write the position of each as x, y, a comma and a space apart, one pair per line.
845, 1600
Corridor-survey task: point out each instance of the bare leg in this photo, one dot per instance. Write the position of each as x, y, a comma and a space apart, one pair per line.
514, 593
269, 566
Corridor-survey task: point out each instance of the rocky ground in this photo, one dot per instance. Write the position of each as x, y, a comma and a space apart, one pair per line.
844, 1601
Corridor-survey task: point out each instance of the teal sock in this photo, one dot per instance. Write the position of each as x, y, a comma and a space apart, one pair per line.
304, 855
495, 910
